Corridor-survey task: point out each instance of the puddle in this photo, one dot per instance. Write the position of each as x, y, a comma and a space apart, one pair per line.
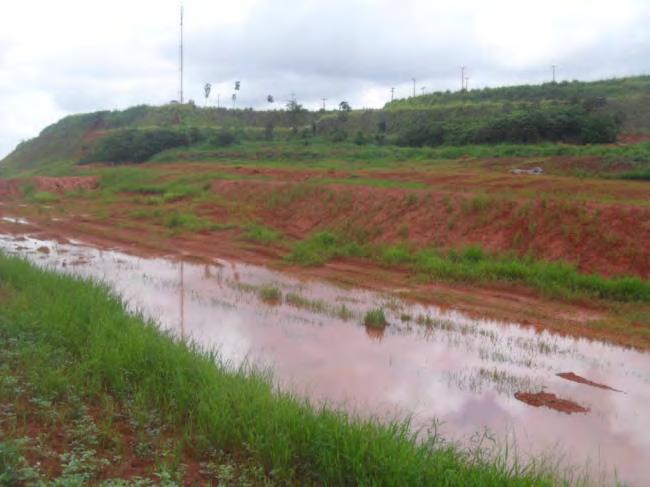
429, 364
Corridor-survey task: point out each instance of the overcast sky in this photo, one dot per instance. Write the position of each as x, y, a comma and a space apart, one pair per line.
68, 56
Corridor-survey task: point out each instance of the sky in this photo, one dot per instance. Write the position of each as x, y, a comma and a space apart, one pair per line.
70, 56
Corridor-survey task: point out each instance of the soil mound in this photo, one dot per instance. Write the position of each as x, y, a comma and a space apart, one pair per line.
581, 380
551, 401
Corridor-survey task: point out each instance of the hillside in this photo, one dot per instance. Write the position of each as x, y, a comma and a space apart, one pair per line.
575, 113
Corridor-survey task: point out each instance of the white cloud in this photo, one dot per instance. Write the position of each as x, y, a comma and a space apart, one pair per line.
73, 55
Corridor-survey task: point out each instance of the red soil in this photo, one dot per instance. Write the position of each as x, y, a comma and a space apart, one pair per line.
606, 238
9, 188
12, 188
581, 380
63, 185
550, 401
634, 138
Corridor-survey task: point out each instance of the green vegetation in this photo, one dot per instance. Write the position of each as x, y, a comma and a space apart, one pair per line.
531, 125
375, 318
180, 221
79, 346
592, 92
270, 294
322, 247
573, 112
135, 145
261, 234
473, 264
314, 305
43, 197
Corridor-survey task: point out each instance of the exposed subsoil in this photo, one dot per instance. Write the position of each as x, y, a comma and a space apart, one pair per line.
581, 380
551, 401
609, 239
12, 188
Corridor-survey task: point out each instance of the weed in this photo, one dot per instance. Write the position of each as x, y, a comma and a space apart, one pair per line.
44, 197
261, 234
321, 247
270, 294
375, 318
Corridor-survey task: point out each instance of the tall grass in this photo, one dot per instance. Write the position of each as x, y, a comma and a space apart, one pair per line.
322, 247
102, 348
473, 264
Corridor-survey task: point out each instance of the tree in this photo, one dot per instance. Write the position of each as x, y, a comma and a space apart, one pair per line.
237, 85
294, 106
206, 89
344, 109
270, 99
234, 99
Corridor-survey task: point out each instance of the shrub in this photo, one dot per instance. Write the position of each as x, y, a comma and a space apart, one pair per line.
223, 138
135, 145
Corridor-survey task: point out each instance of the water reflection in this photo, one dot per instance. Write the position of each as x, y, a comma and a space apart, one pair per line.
429, 363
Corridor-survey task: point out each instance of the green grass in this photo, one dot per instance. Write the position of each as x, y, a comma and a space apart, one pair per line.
322, 247
44, 197
473, 264
375, 318
80, 335
557, 279
261, 234
270, 294
372, 182
184, 221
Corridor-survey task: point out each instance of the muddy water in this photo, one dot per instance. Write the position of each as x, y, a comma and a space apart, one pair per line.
432, 365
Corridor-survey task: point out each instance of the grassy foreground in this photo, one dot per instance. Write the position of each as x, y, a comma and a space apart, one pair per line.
70, 346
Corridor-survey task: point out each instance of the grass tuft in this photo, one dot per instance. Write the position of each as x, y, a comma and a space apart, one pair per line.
375, 318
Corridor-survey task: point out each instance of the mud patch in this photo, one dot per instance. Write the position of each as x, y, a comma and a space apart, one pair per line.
551, 401
581, 380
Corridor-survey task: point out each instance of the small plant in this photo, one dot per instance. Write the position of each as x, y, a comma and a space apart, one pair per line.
344, 313
44, 197
375, 318
270, 294
261, 234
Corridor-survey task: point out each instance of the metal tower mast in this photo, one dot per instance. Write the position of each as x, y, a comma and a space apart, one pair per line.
181, 55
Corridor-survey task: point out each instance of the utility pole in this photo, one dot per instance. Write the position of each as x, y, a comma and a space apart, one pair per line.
554, 66
218, 100
422, 89
414, 87
392, 94
467, 83
462, 78
182, 300
181, 55
324, 100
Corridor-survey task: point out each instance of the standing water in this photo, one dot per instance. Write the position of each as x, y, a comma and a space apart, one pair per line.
443, 369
